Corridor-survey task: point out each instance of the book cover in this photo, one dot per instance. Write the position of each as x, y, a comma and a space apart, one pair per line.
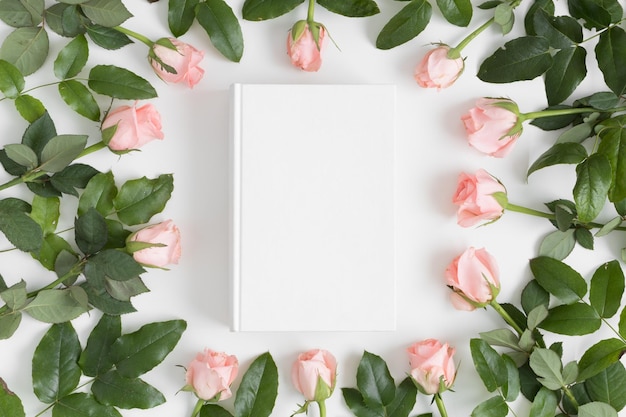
312, 207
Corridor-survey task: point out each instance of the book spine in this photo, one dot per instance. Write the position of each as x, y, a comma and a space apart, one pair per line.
235, 209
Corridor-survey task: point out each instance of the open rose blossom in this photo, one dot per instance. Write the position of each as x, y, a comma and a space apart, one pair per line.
437, 70
210, 375
475, 197
184, 61
303, 48
432, 365
166, 238
473, 276
489, 126
315, 367
135, 126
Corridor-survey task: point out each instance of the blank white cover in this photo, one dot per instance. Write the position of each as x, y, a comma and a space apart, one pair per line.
312, 187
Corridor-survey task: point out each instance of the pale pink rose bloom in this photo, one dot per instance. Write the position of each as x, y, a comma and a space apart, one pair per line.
211, 373
136, 126
432, 362
165, 233
488, 126
438, 71
304, 52
474, 279
309, 367
474, 196
185, 59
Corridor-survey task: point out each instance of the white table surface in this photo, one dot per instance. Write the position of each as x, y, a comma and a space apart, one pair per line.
431, 151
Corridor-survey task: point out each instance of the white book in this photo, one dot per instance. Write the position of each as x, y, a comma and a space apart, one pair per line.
312, 206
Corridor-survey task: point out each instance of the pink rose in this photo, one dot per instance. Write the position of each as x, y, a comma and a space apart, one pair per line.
432, 367
136, 126
210, 375
305, 45
179, 65
492, 126
315, 367
473, 278
437, 70
475, 197
166, 238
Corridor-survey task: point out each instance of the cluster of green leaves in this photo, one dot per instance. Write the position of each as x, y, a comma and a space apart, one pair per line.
263, 10
376, 394
553, 47
114, 363
558, 300
27, 46
255, 396
104, 216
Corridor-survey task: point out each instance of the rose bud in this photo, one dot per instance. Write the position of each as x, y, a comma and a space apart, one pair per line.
210, 375
130, 127
432, 367
305, 44
493, 126
314, 373
480, 197
473, 277
437, 69
157, 245
176, 62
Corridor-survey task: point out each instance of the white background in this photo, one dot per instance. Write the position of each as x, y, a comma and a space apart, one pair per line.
431, 152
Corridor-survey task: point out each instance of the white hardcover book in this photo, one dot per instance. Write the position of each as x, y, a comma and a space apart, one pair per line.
312, 194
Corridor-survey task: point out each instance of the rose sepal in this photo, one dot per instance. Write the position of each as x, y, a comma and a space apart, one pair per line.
322, 390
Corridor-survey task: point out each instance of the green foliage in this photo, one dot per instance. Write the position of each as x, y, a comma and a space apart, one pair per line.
351, 8
267, 9
10, 404
222, 26
405, 25
258, 389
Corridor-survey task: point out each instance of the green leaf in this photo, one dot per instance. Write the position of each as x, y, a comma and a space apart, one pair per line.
599, 357
501, 337
119, 83
180, 15
9, 322
355, 402
511, 388
72, 58
558, 279
613, 146
81, 404
523, 58
99, 193
46, 212
58, 306
22, 155
576, 133
125, 290
488, 363
503, 16
115, 390
214, 410
604, 100
103, 301
536, 316
267, 9
138, 200
108, 13
611, 57
492, 407
534, 295
72, 177
39, 133
26, 48
584, 238
136, 353
55, 368
51, 247
560, 153
257, 392
222, 26
22, 231
535, 7
10, 404
597, 14
21, 13
107, 38
609, 386
11, 79
351, 8
96, 358
609, 226
607, 288
547, 365
561, 31
60, 151
593, 180
405, 25
91, 232
544, 404
29, 107
558, 244
374, 381
566, 73
573, 320
404, 400
15, 296
65, 19
596, 409
115, 264
457, 12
